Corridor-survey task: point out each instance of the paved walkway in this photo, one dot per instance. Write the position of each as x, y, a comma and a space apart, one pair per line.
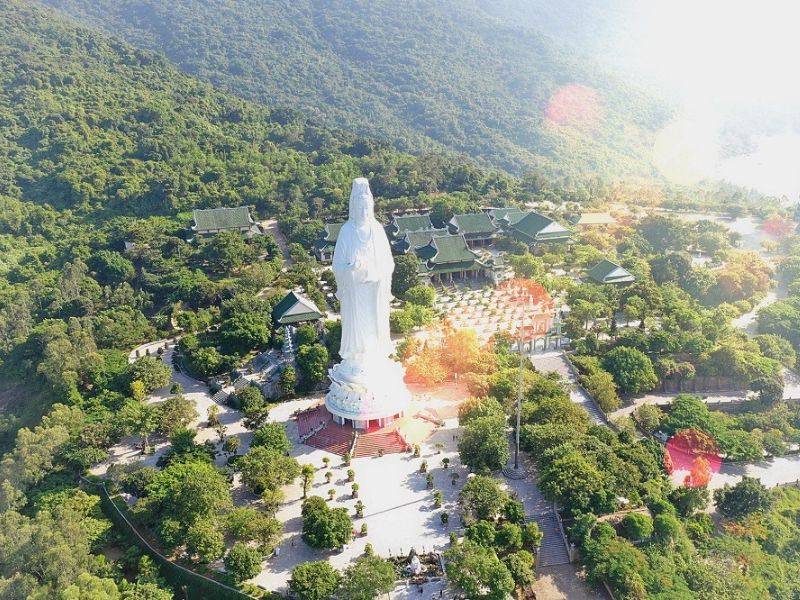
129, 449
270, 226
396, 522
556, 361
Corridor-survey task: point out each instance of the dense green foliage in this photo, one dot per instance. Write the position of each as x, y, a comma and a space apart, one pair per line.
314, 580
325, 527
424, 75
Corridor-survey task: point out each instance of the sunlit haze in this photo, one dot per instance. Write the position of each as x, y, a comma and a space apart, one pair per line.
722, 62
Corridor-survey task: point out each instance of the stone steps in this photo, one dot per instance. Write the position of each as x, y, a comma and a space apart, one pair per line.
332, 438
369, 444
552, 551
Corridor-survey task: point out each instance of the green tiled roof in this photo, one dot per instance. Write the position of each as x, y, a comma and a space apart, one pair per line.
403, 223
472, 224
448, 253
417, 239
607, 271
295, 308
327, 239
222, 218
331, 232
595, 219
534, 227
510, 214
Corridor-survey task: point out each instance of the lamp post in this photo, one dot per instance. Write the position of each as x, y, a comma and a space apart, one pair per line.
519, 390
523, 294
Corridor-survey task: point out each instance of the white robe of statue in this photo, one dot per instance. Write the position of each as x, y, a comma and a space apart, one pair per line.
367, 384
363, 265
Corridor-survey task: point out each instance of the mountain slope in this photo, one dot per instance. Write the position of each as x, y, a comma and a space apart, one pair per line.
421, 74
102, 143
89, 122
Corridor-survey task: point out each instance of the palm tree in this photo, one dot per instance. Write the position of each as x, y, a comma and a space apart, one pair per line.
307, 473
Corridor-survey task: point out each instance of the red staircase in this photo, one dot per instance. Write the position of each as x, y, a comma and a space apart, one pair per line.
310, 419
338, 439
333, 438
387, 439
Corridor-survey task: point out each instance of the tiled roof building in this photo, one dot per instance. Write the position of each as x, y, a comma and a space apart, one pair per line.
607, 271
295, 308
477, 228
534, 229
215, 220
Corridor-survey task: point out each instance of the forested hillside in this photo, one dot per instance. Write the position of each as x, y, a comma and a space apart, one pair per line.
104, 149
421, 74
100, 144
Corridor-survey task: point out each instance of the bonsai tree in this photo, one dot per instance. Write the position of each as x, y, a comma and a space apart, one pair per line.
331, 494
307, 473
359, 509
416, 450
328, 476
429, 480
437, 499
439, 447
347, 458
354, 487
423, 466
213, 415
351, 475
445, 462
364, 532
445, 519
326, 461
231, 444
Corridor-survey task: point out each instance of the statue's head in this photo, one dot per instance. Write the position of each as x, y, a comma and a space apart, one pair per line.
362, 205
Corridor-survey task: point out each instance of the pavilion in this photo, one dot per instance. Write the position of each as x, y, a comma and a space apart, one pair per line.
596, 219
607, 271
535, 229
505, 216
295, 308
448, 257
324, 245
402, 224
477, 228
211, 221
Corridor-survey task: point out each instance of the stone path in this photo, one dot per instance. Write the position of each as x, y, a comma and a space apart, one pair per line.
556, 361
270, 226
557, 579
396, 521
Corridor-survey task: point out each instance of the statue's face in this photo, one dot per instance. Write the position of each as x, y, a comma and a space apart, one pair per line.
363, 212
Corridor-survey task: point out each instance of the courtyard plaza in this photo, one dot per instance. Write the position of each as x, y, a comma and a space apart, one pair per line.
490, 310
398, 506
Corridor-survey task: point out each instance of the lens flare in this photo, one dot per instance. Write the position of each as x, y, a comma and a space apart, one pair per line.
574, 105
685, 151
692, 458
